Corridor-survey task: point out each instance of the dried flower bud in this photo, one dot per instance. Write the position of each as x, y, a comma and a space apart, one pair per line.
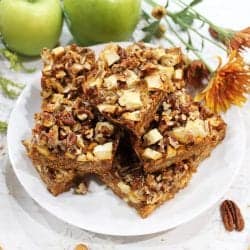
213, 33
235, 40
195, 73
159, 12
160, 31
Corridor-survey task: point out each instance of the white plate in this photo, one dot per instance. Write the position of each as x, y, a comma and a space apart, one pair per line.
100, 211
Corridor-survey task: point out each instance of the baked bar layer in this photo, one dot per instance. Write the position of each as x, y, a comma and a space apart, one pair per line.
182, 128
41, 156
68, 133
147, 191
128, 84
57, 181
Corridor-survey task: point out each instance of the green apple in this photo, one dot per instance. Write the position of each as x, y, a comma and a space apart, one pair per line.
99, 21
27, 26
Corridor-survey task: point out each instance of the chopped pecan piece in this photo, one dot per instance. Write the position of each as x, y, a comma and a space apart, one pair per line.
67, 119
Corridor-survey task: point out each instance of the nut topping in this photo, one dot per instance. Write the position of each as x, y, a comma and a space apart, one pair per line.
132, 116
47, 119
81, 158
82, 116
192, 128
67, 119
152, 137
178, 74
59, 51
71, 139
104, 152
123, 187
110, 82
81, 189
131, 78
151, 154
76, 68
154, 81
110, 55
130, 99
107, 108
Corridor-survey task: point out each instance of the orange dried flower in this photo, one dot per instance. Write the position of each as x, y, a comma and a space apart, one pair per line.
240, 39
228, 85
159, 12
235, 40
195, 73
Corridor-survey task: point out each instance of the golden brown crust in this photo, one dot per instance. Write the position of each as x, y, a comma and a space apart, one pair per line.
57, 181
57, 162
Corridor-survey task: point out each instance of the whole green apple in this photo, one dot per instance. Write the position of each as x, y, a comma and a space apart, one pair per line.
27, 26
99, 21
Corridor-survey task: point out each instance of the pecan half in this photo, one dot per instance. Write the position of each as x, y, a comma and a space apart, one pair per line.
231, 216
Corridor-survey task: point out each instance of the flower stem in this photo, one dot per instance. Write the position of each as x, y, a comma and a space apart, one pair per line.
188, 46
197, 32
172, 15
3, 126
169, 40
150, 2
195, 13
225, 34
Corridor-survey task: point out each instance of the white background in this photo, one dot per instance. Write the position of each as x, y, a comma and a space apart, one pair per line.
24, 225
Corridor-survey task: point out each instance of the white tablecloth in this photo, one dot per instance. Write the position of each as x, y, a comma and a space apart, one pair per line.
24, 225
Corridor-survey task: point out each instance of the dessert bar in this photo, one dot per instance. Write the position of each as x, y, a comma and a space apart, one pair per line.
182, 128
68, 133
147, 191
128, 84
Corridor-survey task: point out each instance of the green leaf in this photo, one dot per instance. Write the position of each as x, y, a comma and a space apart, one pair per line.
185, 18
190, 43
152, 27
3, 127
145, 16
202, 44
202, 25
147, 38
151, 31
15, 61
195, 2
166, 5
10, 88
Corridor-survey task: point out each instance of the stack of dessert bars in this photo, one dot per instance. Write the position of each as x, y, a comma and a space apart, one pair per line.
124, 116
